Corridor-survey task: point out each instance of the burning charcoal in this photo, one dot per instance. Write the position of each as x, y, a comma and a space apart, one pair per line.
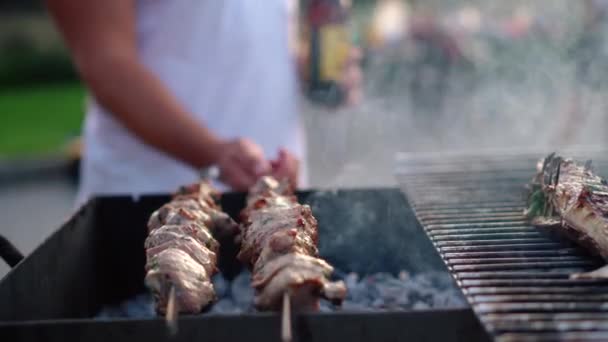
351, 280
403, 301
405, 275
420, 306
348, 305
390, 290
383, 285
339, 275
374, 292
109, 313
371, 291
241, 290
360, 295
140, 306
378, 303
423, 280
363, 293
439, 280
221, 286
454, 299
424, 285
440, 299
357, 290
380, 277
325, 307
225, 306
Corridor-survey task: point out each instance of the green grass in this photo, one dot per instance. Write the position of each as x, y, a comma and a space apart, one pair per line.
39, 120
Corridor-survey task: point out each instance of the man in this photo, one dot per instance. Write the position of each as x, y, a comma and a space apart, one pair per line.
181, 85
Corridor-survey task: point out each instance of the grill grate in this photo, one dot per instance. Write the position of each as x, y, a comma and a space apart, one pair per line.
515, 277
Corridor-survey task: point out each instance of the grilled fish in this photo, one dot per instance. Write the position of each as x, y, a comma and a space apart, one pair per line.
569, 198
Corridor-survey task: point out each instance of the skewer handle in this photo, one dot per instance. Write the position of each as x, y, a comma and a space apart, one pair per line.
286, 335
172, 312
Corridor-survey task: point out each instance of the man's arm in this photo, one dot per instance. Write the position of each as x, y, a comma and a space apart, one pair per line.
101, 37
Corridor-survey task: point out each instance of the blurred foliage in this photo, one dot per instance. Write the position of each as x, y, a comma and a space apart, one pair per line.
22, 63
39, 119
41, 100
31, 52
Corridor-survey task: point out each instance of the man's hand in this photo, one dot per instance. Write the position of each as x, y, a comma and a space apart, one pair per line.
286, 166
241, 163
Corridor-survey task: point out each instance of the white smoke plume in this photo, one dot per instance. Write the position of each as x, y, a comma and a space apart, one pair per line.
520, 83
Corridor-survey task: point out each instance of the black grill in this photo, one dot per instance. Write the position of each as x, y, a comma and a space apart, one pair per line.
516, 277
96, 259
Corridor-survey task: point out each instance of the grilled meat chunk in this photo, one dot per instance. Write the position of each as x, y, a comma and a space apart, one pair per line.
279, 243
568, 197
174, 214
192, 229
263, 223
181, 249
204, 256
267, 271
184, 210
174, 267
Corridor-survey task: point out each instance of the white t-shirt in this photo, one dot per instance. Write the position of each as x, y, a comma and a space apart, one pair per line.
228, 62
600, 4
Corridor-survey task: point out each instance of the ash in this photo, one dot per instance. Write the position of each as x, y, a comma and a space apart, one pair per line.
375, 292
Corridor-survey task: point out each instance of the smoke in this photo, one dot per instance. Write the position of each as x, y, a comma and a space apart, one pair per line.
525, 74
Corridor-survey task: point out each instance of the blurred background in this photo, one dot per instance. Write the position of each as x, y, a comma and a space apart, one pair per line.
438, 76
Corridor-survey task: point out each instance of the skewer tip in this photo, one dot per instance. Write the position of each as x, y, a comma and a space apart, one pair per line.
286, 335
172, 313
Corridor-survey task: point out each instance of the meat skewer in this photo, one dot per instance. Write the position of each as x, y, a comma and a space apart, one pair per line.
286, 319
568, 198
279, 243
172, 312
182, 252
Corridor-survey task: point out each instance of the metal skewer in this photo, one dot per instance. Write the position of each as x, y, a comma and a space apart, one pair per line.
172, 312
286, 335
